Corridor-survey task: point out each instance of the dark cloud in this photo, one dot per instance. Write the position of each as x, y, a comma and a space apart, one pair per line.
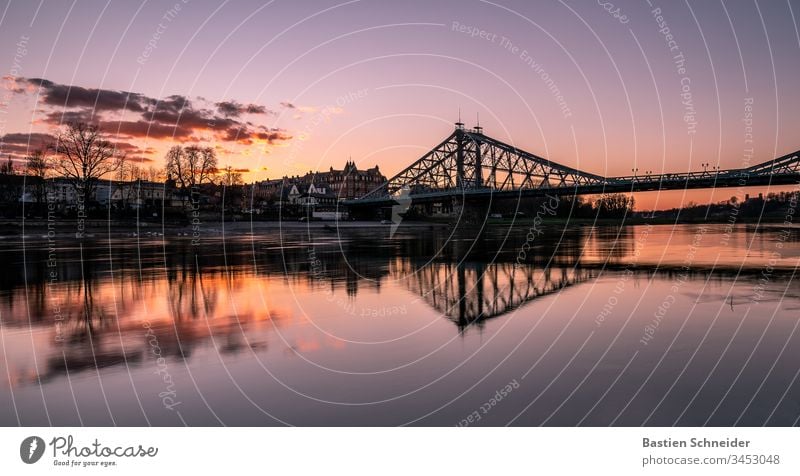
32, 138
180, 112
288, 105
235, 109
20, 144
272, 136
176, 102
129, 148
65, 117
67, 96
174, 117
149, 129
229, 108
256, 109
139, 159
234, 134
126, 146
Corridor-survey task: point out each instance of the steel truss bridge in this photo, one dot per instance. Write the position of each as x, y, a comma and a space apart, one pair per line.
471, 165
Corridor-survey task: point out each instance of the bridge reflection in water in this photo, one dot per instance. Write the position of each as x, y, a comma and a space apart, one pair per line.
470, 293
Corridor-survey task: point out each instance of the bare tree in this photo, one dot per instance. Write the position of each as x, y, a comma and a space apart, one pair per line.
83, 157
36, 164
614, 205
191, 166
153, 174
230, 177
36, 167
204, 163
8, 167
128, 175
233, 191
122, 184
173, 165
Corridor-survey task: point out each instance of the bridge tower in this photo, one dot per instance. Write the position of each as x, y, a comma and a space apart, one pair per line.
466, 156
459, 153
478, 176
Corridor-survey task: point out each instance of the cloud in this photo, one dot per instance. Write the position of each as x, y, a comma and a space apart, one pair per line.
23, 138
304, 109
128, 116
235, 134
67, 96
236, 109
256, 109
175, 116
63, 116
139, 159
264, 134
273, 136
129, 148
142, 128
12, 84
181, 113
229, 108
19, 144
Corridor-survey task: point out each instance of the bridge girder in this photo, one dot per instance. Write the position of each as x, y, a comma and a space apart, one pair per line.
788, 164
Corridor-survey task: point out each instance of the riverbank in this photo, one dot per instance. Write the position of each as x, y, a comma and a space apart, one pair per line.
38, 228
71, 228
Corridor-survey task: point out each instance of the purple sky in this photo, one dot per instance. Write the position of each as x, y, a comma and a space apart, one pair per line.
305, 85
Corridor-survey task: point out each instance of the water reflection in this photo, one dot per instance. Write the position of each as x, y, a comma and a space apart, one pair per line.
469, 293
90, 308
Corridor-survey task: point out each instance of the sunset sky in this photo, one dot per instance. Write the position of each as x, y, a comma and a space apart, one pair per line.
284, 87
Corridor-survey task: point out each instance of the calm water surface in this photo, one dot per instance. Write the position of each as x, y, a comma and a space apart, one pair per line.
661, 325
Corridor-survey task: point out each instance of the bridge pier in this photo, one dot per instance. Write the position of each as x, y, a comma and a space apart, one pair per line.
469, 212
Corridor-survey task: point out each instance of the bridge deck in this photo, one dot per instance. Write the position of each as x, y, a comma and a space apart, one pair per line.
613, 185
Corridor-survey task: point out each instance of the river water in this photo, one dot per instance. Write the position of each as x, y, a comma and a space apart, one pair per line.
640, 325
